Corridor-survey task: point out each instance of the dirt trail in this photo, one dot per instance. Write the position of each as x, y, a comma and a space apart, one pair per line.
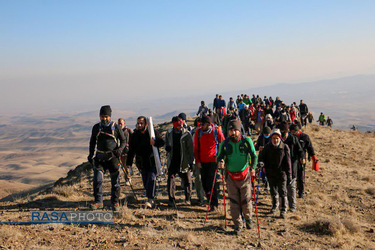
338, 211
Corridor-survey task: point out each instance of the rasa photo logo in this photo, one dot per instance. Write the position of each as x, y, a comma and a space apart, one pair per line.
71, 217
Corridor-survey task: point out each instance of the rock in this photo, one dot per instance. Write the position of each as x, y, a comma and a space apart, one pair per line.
371, 230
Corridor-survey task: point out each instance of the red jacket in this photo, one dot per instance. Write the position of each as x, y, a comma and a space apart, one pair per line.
209, 146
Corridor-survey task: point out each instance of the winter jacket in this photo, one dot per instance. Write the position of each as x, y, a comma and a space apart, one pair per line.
236, 157
202, 110
296, 152
231, 105
206, 147
303, 109
106, 138
262, 141
186, 150
140, 147
276, 160
306, 145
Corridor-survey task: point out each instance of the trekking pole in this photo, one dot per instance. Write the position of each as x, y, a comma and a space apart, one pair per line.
225, 207
256, 210
131, 186
209, 202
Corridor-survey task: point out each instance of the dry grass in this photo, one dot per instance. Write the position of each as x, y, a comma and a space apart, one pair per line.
66, 190
8, 234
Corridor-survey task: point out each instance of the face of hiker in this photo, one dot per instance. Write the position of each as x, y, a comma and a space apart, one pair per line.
275, 140
234, 133
121, 123
105, 119
141, 125
284, 133
294, 132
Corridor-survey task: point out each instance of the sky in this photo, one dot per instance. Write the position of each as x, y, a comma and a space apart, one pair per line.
73, 55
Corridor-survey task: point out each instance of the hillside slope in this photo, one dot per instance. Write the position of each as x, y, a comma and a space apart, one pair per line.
338, 211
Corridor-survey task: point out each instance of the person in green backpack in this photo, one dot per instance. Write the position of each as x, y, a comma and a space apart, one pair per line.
238, 157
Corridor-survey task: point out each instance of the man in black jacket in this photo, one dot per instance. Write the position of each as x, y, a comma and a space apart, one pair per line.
304, 111
104, 137
140, 146
276, 160
306, 145
296, 156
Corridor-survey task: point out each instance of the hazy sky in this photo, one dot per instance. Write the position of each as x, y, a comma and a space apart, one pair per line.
56, 55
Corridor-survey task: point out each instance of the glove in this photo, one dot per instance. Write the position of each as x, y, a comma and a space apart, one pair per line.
90, 158
117, 152
168, 148
315, 164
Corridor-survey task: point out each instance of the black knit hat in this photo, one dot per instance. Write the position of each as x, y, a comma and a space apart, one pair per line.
234, 124
106, 110
182, 116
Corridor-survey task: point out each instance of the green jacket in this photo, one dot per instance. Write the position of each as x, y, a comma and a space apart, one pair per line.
187, 149
238, 156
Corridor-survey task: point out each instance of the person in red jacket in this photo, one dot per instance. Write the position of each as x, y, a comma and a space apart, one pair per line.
206, 145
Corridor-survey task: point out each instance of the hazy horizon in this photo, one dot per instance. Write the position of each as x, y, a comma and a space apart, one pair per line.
56, 56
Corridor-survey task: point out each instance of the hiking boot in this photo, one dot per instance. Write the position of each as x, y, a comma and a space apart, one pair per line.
237, 231
172, 203
249, 224
282, 215
292, 210
116, 207
301, 196
213, 208
149, 203
273, 210
96, 205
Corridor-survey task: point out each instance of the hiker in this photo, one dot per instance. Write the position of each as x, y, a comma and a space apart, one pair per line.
354, 128
269, 122
221, 109
329, 122
227, 118
275, 157
296, 157
202, 109
259, 117
304, 111
292, 114
127, 133
310, 117
197, 172
180, 156
206, 144
231, 104
140, 146
306, 145
247, 122
322, 119
215, 103
241, 109
237, 154
215, 119
185, 125
263, 140
104, 140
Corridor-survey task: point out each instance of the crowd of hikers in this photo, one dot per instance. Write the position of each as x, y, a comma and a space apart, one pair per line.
219, 142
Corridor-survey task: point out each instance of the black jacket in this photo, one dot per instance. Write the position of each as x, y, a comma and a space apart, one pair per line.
140, 147
276, 160
262, 141
296, 152
306, 145
104, 141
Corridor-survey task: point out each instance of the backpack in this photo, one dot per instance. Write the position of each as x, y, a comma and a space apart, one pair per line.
104, 133
200, 133
244, 142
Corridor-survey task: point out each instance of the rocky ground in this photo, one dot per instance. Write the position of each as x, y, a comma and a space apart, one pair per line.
337, 212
